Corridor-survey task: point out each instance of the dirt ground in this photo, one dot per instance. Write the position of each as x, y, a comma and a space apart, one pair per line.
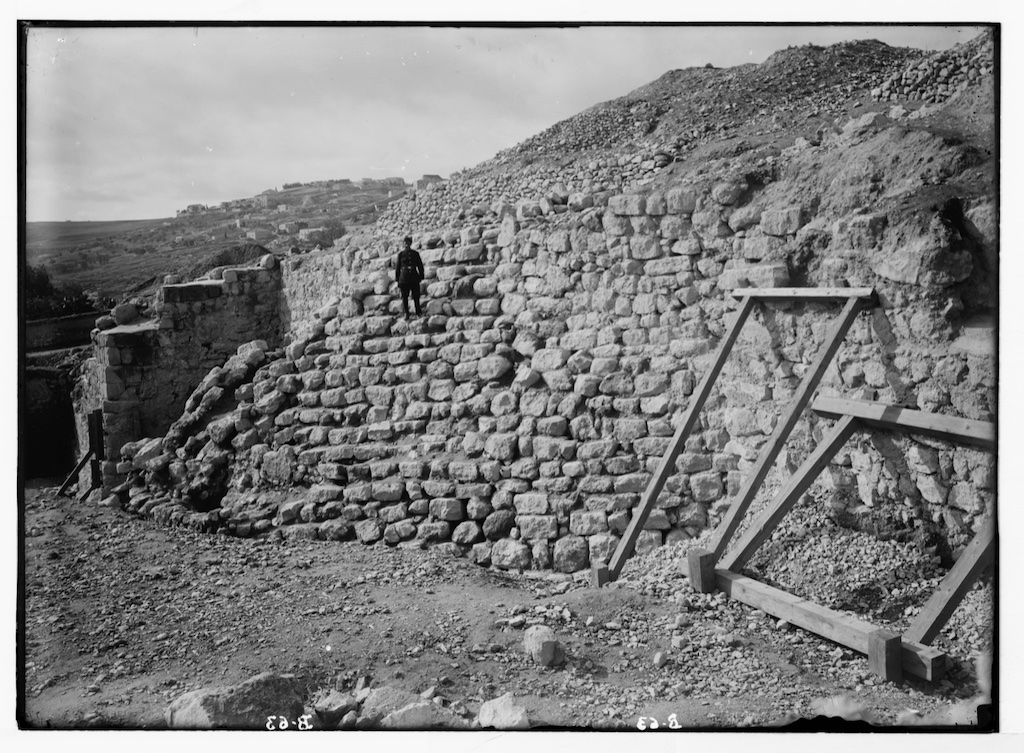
123, 615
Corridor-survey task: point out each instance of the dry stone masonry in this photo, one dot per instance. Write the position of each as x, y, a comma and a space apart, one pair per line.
570, 310
936, 78
147, 363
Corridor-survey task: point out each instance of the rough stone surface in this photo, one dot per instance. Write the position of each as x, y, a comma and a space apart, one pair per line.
503, 713
241, 707
543, 646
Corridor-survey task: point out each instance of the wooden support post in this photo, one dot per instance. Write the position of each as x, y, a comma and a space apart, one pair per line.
96, 446
96, 434
598, 575
760, 530
940, 607
701, 570
667, 465
885, 655
785, 425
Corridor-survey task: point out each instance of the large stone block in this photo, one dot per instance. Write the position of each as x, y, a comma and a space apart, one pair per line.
706, 487
550, 359
534, 527
509, 554
498, 524
433, 533
493, 367
502, 447
571, 554
582, 523
447, 508
627, 204
644, 247
532, 503
767, 275
370, 530
602, 546
681, 200
786, 221
648, 541
467, 532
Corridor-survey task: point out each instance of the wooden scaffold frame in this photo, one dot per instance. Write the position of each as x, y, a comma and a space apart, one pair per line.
889, 655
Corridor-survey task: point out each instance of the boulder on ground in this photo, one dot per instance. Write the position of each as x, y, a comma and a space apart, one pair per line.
384, 700
332, 708
414, 716
543, 647
503, 713
243, 706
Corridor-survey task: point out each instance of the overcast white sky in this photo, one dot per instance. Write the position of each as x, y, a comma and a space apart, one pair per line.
136, 122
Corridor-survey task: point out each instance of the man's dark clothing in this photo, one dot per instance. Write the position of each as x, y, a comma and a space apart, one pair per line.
409, 273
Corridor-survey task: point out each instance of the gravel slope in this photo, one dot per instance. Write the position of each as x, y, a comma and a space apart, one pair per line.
123, 615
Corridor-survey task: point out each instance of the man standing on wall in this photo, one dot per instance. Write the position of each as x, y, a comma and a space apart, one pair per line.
408, 274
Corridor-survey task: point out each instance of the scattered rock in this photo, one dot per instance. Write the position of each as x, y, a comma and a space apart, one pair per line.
543, 647
503, 713
241, 706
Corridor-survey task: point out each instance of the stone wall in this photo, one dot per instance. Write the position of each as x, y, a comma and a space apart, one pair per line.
58, 332
144, 370
309, 280
518, 422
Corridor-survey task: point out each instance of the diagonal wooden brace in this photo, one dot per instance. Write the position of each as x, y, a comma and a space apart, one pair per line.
940, 607
761, 529
785, 426
667, 465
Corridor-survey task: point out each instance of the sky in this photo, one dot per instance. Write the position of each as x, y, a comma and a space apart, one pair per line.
135, 122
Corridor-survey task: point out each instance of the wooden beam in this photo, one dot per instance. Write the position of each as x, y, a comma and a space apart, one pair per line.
921, 661
958, 581
805, 294
761, 529
598, 575
701, 570
752, 485
73, 476
98, 445
666, 467
893, 417
885, 655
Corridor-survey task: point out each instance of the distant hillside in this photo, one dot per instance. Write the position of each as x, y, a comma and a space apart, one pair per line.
118, 258
43, 237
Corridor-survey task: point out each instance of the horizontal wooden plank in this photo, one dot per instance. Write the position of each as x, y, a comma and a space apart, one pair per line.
894, 417
804, 294
921, 661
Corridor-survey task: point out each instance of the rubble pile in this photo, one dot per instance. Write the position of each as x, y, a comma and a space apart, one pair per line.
938, 77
